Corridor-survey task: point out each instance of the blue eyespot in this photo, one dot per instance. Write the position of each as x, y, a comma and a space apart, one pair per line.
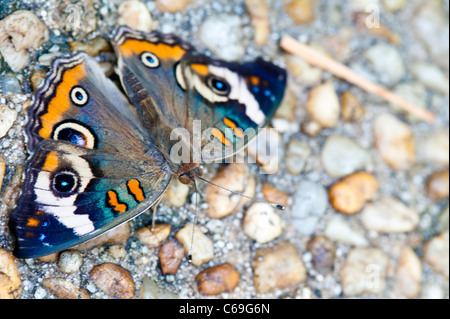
79, 96
219, 86
64, 182
73, 136
150, 60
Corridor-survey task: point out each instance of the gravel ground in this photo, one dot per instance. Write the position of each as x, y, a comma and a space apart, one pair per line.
394, 246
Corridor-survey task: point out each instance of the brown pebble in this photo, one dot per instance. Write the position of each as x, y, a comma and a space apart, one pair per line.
12, 190
114, 280
273, 195
352, 110
300, 11
170, 257
350, 194
92, 47
323, 253
10, 282
215, 280
437, 186
37, 77
64, 289
154, 237
49, 258
117, 235
171, 5
277, 268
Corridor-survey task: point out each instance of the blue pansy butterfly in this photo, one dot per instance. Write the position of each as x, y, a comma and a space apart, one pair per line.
99, 160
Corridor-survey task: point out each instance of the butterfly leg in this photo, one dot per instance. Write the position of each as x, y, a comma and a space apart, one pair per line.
155, 209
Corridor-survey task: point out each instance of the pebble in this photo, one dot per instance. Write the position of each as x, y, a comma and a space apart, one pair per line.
171, 6
201, 248
10, 282
338, 229
64, 289
437, 185
432, 291
435, 148
431, 76
117, 235
114, 280
394, 5
259, 16
70, 261
387, 63
430, 24
323, 252
235, 177
92, 47
117, 251
436, 253
266, 149
170, 256
323, 105
443, 219
7, 118
177, 193
363, 5
310, 128
310, 201
261, 223
364, 271
52, 258
9, 83
352, 109
222, 35
342, 156
134, 14
218, 279
389, 215
273, 195
150, 290
20, 31
13, 189
303, 71
2, 171
154, 237
351, 193
300, 11
297, 155
413, 92
286, 110
409, 274
277, 268
395, 142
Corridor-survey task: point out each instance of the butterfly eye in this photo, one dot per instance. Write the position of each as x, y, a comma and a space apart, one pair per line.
149, 60
219, 86
65, 182
79, 96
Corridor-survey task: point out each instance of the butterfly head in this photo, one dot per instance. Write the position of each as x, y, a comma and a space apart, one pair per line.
188, 172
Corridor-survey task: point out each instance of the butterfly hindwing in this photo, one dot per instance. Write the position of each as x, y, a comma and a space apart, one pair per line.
72, 194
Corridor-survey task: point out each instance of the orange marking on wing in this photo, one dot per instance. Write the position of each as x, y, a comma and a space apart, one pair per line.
220, 136
162, 51
255, 80
201, 69
135, 188
61, 103
32, 222
237, 130
113, 201
51, 162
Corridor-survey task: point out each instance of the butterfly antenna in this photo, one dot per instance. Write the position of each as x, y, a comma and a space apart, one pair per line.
195, 220
280, 207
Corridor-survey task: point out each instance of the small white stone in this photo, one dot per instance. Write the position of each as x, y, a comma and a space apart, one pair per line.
389, 215
409, 274
339, 230
177, 193
394, 5
364, 5
134, 14
436, 254
413, 92
364, 271
296, 156
266, 149
7, 118
323, 105
222, 34
342, 156
201, 248
261, 223
435, 149
386, 62
395, 142
70, 261
431, 76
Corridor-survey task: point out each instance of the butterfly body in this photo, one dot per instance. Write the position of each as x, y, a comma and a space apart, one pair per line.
101, 158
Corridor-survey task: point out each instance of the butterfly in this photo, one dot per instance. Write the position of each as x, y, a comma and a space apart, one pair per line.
100, 158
